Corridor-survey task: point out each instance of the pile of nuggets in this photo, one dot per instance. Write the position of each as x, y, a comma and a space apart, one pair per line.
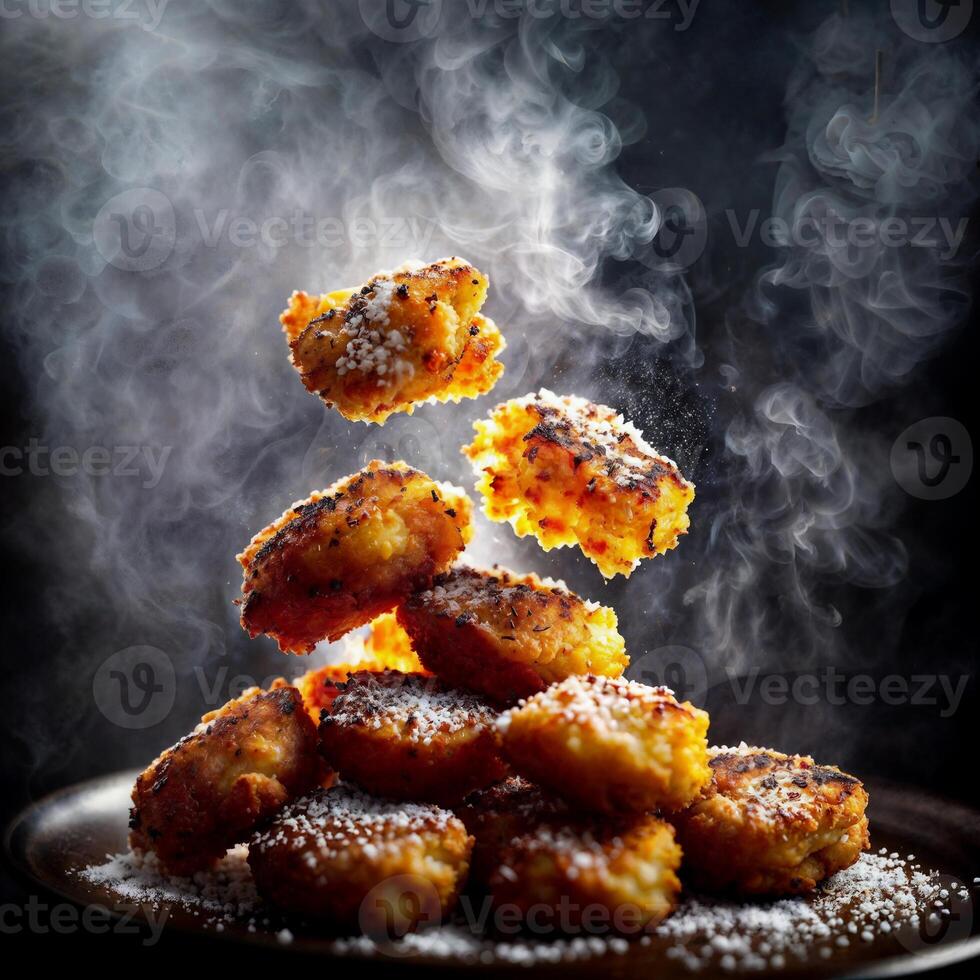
481, 739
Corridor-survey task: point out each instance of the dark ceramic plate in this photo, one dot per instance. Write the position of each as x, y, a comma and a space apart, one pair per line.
79, 825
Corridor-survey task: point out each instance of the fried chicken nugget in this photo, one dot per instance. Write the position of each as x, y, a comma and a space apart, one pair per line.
568, 472
237, 768
409, 737
339, 558
405, 337
496, 815
386, 647
609, 744
771, 824
595, 875
345, 857
506, 635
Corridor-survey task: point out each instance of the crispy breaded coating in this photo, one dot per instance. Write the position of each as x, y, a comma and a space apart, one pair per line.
498, 814
599, 875
506, 635
386, 647
339, 558
609, 744
238, 767
409, 737
478, 370
568, 472
319, 688
404, 337
342, 856
771, 824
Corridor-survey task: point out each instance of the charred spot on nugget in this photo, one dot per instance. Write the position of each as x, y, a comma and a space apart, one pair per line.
571, 472
609, 744
237, 768
410, 737
403, 338
346, 858
771, 824
506, 635
340, 558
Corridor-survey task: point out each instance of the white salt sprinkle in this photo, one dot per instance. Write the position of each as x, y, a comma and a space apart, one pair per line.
878, 895
420, 708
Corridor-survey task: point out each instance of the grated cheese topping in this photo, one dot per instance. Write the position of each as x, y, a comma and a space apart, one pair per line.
372, 349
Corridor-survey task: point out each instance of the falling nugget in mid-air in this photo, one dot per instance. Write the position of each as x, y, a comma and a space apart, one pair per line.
403, 338
569, 471
338, 559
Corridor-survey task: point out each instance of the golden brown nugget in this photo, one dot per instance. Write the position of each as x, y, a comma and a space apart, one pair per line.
409, 737
386, 647
496, 815
342, 856
338, 559
506, 635
609, 744
771, 824
569, 472
238, 767
403, 338
601, 875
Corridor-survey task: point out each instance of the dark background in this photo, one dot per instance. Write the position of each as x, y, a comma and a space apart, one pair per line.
716, 96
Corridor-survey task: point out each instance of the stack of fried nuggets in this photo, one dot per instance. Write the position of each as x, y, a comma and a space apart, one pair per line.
495, 694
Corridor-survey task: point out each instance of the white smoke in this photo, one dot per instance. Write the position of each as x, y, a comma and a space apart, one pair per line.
271, 147
295, 147
844, 324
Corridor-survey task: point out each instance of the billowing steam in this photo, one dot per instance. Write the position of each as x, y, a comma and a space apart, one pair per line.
178, 182
869, 281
